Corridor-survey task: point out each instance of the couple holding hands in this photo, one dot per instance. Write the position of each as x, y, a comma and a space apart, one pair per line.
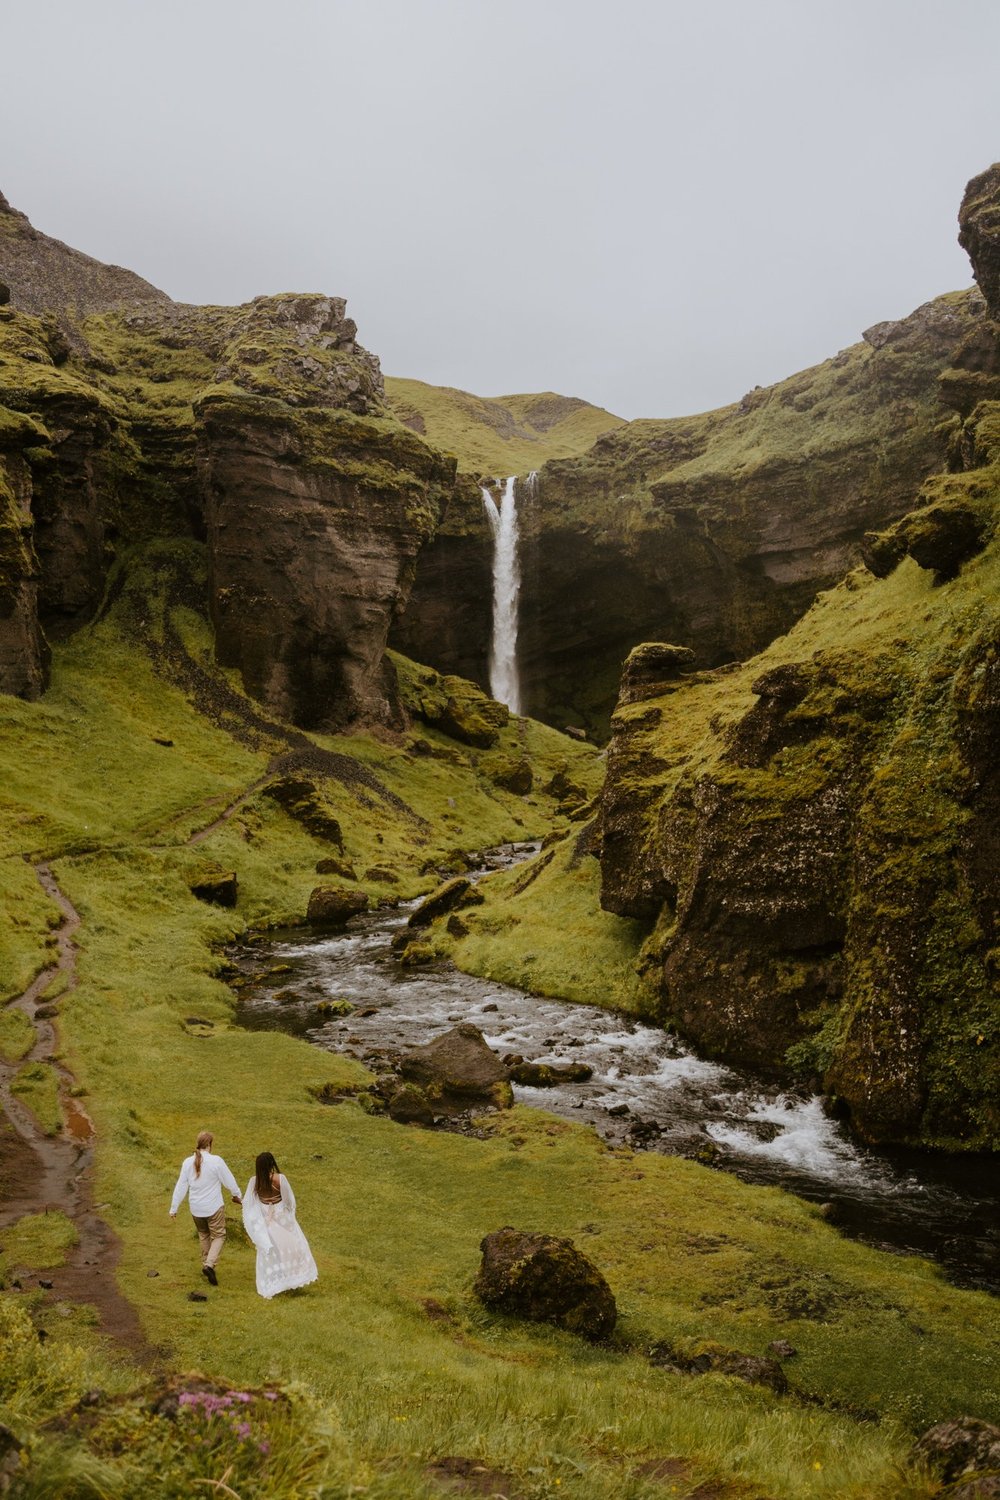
284, 1259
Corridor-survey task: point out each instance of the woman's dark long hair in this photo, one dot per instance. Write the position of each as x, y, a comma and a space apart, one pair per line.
265, 1165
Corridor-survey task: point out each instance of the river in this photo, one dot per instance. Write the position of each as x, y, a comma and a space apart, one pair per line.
648, 1089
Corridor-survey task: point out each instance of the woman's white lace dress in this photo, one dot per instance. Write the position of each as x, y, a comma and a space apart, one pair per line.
284, 1259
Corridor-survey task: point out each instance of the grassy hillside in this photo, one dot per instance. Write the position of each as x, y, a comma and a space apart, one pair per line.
387, 1367
498, 435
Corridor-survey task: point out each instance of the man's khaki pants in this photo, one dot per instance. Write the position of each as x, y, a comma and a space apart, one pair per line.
211, 1234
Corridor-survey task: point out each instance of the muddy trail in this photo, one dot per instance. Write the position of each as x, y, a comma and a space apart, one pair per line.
54, 1173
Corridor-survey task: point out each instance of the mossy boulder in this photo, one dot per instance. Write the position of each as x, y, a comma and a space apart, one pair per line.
409, 1105
333, 906
461, 891
220, 887
452, 704
960, 1447
548, 1075
511, 772
546, 1280
650, 665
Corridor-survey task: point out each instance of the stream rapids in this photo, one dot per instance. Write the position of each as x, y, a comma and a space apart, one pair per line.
648, 1090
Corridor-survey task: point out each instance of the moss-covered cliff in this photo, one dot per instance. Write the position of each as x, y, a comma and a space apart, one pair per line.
715, 530
260, 428
812, 835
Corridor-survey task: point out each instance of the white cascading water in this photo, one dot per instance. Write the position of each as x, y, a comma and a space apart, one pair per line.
504, 681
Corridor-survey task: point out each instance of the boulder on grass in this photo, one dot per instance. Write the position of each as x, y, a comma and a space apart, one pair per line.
217, 886
961, 1447
546, 1280
458, 1068
333, 905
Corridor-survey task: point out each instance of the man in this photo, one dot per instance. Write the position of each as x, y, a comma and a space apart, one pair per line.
202, 1178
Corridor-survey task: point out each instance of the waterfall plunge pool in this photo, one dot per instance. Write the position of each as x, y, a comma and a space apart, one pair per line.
944, 1208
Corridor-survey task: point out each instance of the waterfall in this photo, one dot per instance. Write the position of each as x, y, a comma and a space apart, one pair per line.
504, 684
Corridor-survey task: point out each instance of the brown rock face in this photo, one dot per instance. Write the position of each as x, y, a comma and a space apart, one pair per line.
457, 1069
979, 233
24, 654
44, 275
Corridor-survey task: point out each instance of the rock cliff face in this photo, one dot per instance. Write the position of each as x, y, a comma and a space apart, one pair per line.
715, 531
260, 429
813, 835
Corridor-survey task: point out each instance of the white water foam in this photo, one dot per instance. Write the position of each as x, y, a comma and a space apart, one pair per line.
504, 678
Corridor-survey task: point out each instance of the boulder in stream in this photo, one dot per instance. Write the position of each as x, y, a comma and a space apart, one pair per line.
549, 1075
334, 905
546, 1280
457, 1068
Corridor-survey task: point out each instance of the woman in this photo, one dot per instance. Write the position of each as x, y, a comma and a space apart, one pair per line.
202, 1178
284, 1259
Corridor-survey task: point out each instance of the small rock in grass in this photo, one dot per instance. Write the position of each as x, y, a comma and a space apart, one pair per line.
197, 1297
783, 1349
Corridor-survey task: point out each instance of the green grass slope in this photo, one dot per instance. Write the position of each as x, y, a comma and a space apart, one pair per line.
498, 435
388, 1365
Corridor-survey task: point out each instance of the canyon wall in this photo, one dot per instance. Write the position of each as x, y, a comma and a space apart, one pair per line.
812, 835
261, 430
716, 530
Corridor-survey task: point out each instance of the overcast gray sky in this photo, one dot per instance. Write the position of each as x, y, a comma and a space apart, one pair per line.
652, 205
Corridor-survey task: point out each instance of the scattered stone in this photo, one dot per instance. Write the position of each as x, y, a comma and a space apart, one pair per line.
46, 1012
617, 1110
546, 1280
782, 1349
456, 927
341, 867
158, 739
959, 1448
337, 1008
197, 1021
575, 733
46, 1284
491, 1007
382, 875
755, 1369
333, 906
473, 1478
218, 887
457, 892
369, 1010
151, 1274
197, 1297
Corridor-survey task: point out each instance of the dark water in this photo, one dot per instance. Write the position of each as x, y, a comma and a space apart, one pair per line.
944, 1208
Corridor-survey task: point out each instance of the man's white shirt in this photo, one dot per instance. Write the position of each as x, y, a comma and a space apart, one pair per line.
204, 1191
